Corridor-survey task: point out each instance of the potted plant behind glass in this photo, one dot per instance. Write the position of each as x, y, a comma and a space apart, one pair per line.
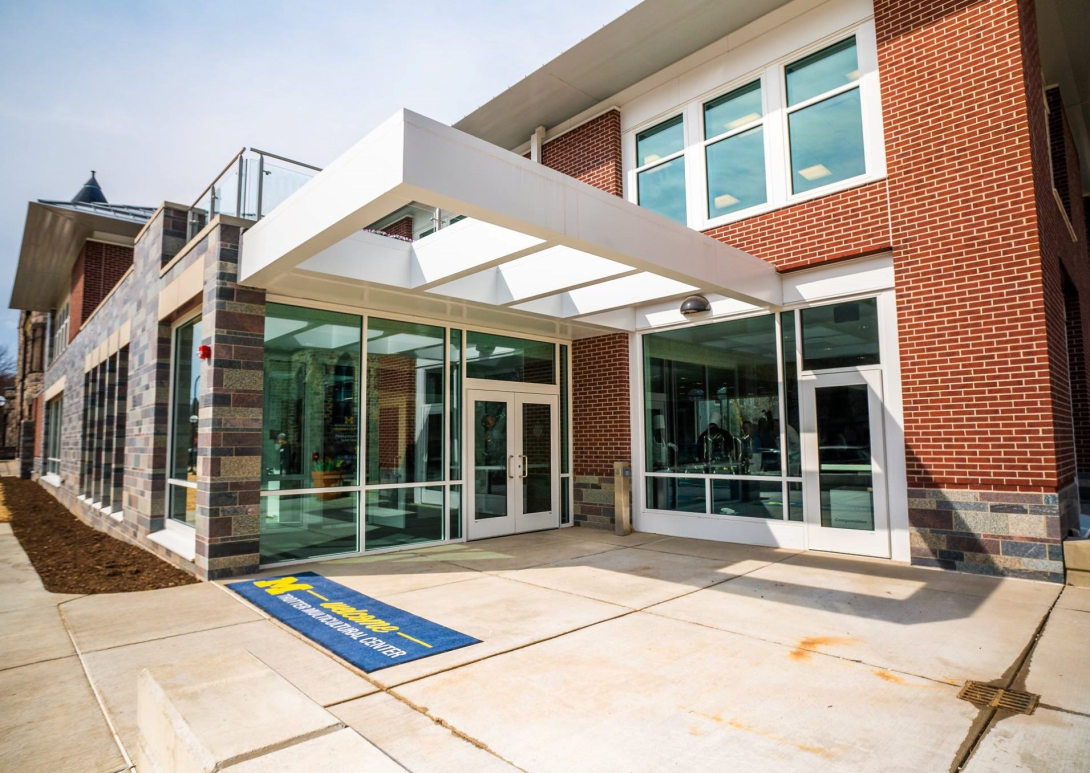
326, 473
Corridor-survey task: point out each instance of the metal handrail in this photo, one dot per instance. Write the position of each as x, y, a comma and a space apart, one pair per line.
216, 179
282, 158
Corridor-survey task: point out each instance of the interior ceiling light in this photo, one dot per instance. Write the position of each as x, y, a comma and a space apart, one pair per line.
743, 120
815, 172
726, 200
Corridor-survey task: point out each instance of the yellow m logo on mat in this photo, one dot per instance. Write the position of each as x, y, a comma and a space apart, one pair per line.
281, 585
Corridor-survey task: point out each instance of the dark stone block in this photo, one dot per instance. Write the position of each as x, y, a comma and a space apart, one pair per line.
1005, 508
935, 563
931, 519
1025, 549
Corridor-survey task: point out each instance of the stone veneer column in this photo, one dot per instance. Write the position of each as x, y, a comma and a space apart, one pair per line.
229, 432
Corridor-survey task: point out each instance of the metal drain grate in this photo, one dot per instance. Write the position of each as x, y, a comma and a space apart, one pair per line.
985, 695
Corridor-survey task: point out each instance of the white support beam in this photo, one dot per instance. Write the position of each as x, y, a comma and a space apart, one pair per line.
514, 208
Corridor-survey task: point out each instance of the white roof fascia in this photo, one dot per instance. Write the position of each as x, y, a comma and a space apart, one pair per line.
413, 158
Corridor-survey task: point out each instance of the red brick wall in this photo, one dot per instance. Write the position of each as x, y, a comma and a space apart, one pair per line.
97, 269
1066, 274
974, 354
849, 224
601, 433
590, 152
403, 228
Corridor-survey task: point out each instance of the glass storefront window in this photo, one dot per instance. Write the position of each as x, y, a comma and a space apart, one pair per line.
843, 335
454, 513
406, 391
184, 410
791, 395
455, 404
750, 498
311, 399
403, 516
711, 395
503, 358
685, 495
306, 526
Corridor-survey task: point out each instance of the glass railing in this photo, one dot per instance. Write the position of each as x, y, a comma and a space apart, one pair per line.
252, 184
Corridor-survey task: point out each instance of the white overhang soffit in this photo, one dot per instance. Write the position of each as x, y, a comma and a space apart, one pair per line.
532, 239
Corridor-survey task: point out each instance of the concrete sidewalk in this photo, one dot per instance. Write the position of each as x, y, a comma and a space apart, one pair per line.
602, 653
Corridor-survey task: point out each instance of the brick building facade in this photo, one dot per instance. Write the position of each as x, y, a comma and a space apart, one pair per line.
965, 229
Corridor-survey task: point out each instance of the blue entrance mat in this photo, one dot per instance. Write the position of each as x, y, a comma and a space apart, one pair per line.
362, 630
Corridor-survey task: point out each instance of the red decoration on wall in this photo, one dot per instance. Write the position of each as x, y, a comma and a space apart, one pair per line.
204, 352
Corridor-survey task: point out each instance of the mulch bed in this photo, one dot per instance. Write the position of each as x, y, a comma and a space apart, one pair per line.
71, 557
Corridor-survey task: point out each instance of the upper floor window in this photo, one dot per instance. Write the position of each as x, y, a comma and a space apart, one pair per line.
660, 180
59, 327
825, 117
806, 125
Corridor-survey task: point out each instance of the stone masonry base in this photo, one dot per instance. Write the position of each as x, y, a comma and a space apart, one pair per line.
1014, 534
593, 496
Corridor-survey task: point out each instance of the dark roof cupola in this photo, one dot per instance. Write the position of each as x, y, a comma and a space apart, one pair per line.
90, 193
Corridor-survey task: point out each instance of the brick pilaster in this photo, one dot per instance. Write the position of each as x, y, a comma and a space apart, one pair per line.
229, 430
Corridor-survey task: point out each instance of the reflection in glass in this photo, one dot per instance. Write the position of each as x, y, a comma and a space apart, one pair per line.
662, 189
822, 71
736, 172
660, 141
794, 501
750, 498
712, 398
537, 458
405, 395
185, 406
791, 394
490, 459
826, 142
565, 466
732, 111
184, 410
311, 399
565, 504
504, 358
454, 513
308, 526
403, 516
844, 457
455, 404
844, 335
684, 495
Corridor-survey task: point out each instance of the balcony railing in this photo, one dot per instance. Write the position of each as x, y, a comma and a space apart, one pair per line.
250, 186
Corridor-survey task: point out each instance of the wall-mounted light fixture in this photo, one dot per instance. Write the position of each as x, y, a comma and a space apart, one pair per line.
695, 304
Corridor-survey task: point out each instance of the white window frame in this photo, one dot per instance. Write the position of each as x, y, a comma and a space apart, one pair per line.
777, 149
58, 332
52, 445
686, 124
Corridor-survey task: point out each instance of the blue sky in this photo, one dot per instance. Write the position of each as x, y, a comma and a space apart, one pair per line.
157, 97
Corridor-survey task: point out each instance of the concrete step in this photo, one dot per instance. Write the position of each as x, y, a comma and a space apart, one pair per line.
232, 712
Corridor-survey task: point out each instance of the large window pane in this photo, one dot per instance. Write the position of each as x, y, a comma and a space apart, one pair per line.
712, 398
308, 526
736, 173
730, 111
455, 404
403, 516
312, 399
537, 450
791, 394
822, 71
660, 141
662, 189
184, 404
490, 459
503, 358
683, 495
454, 513
844, 335
826, 142
406, 391
845, 475
749, 498
182, 505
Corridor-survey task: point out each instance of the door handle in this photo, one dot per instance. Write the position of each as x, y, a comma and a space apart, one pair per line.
524, 465
509, 475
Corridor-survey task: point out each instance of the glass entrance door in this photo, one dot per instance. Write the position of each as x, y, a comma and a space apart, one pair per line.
844, 471
514, 482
